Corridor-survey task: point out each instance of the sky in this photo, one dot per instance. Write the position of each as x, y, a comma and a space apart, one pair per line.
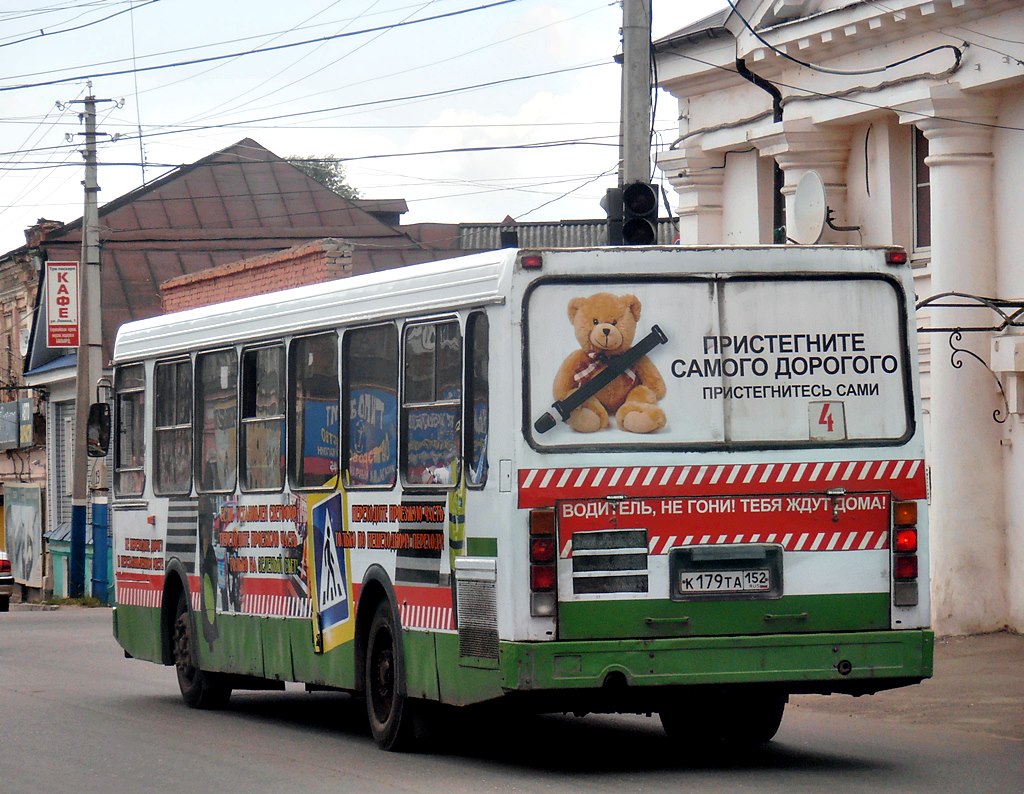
382, 85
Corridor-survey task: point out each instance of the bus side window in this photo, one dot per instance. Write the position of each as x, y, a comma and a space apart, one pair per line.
370, 375
432, 403
477, 401
129, 438
314, 397
172, 427
262, 427
217, 417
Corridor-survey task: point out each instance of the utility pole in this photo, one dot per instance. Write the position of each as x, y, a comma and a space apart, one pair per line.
636, 92
89, 362
632, 207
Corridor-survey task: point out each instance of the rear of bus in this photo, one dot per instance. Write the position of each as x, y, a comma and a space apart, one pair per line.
765, 532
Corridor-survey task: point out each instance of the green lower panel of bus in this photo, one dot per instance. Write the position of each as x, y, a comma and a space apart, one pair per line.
137, 630
854, 662
594, 620
282, 649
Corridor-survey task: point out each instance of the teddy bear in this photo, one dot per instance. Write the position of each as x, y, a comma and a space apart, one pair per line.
605, 326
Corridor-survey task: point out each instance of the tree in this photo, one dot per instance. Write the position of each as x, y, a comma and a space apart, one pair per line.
327, 170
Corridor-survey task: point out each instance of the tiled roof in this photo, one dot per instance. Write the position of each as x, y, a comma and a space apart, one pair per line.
237, 203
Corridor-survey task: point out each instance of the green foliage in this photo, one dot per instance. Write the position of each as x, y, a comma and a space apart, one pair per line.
327, 170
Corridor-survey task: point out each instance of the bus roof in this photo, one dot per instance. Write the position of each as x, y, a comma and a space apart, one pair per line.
446, 285
473, 280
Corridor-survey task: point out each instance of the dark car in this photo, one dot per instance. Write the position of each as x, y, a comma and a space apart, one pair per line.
6, 582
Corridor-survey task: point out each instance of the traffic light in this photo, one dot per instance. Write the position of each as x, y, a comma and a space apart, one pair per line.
612, 205
639, 214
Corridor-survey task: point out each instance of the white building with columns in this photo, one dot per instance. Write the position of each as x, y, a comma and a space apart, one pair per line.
912, 114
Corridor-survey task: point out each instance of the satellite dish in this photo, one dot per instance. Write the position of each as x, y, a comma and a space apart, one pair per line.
809, 209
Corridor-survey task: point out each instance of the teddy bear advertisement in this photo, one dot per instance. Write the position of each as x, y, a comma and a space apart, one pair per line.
605, 326
713, 361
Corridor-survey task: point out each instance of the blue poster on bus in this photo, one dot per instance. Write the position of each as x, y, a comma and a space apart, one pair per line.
373, 434
320, 437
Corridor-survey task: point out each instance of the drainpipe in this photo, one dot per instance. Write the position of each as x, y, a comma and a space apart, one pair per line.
778, 179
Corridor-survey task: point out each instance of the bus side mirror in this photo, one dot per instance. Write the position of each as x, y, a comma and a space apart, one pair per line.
98, 430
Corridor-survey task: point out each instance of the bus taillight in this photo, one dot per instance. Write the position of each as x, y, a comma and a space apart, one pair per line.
543, 559
904, 558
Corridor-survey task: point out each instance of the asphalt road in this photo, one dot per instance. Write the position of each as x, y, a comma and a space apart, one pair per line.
77, 716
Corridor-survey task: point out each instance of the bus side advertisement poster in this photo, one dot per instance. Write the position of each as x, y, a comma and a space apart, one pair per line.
331, 582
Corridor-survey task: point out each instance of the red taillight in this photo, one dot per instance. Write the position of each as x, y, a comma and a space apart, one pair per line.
542, 550
531, 261
906, 540
896, 256
543, 564
904, 558
905, 568
542, 578
5, 566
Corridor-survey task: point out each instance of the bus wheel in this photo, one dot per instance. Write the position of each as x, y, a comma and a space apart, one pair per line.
389, 710
199, 689
733, 718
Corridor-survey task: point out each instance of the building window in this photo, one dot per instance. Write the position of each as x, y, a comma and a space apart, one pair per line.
172, 427
216, 419
262, 464
922, 193
369, 367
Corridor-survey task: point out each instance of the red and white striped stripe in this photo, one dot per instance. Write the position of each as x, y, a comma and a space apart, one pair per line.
905, 479
285, 606
139, 595
423, 617
856, 540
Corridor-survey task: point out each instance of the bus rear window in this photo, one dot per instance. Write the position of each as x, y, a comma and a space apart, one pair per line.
740, 361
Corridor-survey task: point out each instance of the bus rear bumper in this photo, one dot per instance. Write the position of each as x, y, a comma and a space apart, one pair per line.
856, 663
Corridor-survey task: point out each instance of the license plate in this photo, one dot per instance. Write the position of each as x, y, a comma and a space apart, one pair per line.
754, 580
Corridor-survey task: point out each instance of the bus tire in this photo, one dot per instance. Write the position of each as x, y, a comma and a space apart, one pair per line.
389, 709
734, 718
199, 689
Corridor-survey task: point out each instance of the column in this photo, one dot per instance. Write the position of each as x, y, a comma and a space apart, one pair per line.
967, 514
697, 177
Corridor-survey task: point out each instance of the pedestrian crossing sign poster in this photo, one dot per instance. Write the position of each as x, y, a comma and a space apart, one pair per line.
331, 585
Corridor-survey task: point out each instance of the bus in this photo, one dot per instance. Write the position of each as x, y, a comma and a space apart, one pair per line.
680, 481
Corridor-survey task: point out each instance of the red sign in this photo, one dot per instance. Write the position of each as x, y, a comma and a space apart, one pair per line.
62, 328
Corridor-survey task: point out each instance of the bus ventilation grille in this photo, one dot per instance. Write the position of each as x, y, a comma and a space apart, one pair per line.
478, 619
609, 561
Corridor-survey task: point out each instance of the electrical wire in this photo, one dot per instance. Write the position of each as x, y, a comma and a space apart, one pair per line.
257, 50
42, 34
840, 96
842, 72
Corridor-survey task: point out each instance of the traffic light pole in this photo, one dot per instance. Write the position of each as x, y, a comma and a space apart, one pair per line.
636, 92
632, 207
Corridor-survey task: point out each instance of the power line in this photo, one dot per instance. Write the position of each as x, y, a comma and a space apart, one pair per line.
841, 96
598, 141
841, 72
254, 122
258, 50
42, 34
